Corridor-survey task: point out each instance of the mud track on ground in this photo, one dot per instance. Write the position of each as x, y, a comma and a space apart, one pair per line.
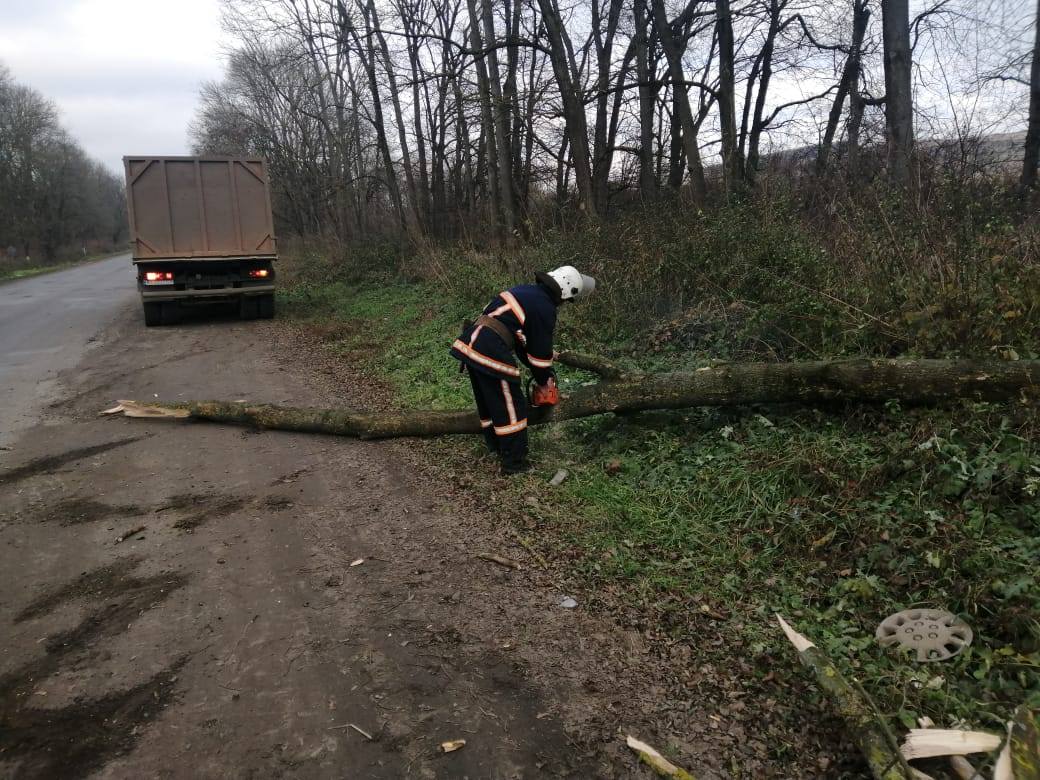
51, 463
73, 740
85, 510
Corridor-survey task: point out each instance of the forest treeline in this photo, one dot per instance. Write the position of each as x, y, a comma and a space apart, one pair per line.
55, 201
476, 118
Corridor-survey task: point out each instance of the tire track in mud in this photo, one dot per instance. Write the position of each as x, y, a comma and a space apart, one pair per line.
100, 584
50, 463
76, 511
196, 509
74, 740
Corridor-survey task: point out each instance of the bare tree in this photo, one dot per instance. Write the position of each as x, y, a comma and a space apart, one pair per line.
732, 165
899, 101
561, 55
680, 97
473, 118
646, 77
1031, 156
848, 85
501, 108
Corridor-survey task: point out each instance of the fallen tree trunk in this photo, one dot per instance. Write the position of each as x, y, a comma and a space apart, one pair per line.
865, 724
621, 391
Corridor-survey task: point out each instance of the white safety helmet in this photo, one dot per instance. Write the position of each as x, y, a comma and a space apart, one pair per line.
570, 283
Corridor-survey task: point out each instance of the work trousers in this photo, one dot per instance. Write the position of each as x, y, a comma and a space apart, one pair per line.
503, 416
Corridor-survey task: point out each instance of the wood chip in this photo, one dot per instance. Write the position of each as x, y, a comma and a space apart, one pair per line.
801, 644
127, 534
361, 731
929, 743
357, 562
452, 745
507, 562
136, 409
356, 728
656, 761
959, 764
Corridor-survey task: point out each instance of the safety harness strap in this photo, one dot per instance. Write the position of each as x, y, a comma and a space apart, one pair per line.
496, 325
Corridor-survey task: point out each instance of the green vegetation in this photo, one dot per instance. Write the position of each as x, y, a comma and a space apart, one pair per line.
10, 273
711, 520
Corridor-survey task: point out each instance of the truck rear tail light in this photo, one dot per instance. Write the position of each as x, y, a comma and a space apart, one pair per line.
259, 273
158, 277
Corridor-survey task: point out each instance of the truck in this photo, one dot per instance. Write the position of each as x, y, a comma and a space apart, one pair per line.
202, 232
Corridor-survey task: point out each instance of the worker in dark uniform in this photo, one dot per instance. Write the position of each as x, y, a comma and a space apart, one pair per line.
518, 323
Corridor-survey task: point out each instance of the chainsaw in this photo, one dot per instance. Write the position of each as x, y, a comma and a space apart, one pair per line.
543, 395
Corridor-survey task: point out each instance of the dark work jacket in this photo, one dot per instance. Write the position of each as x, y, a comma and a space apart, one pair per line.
529, 312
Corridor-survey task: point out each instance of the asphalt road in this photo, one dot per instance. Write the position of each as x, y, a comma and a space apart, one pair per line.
46, 323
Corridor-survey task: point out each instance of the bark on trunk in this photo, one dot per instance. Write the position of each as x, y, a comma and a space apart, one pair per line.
757, 122
647, 90
488, 147
503, 145
732, 166
913, 381
423, 189
899, 101
1032, 146
602, 147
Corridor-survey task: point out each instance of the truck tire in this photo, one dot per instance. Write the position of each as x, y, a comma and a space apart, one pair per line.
152, 314
265, 306
247, 308
171, 312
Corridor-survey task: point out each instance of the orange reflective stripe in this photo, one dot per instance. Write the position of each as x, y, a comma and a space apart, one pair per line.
509, 401
513, 304
505, 430
485, 423
484, 360
474, 334
500, 310
539, 362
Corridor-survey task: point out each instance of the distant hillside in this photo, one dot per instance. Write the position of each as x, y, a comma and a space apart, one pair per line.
992, 153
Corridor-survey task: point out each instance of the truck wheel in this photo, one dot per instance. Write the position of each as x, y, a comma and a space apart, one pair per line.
265, 306
247, 308
152, 314
171, 312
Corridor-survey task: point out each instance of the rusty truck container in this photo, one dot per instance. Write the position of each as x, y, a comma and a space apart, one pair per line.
202, 231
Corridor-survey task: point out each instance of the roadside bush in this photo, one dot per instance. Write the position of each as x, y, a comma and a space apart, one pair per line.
864, 275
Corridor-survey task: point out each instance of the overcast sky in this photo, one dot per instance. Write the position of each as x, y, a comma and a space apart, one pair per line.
124, 73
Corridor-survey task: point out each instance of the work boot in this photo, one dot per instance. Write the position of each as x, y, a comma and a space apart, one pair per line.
491, 440
515, 467
512, 450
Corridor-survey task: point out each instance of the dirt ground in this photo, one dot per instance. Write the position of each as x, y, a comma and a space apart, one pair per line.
188, 600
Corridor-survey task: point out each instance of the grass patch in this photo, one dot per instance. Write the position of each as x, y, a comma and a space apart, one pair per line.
8, 274
834, 519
